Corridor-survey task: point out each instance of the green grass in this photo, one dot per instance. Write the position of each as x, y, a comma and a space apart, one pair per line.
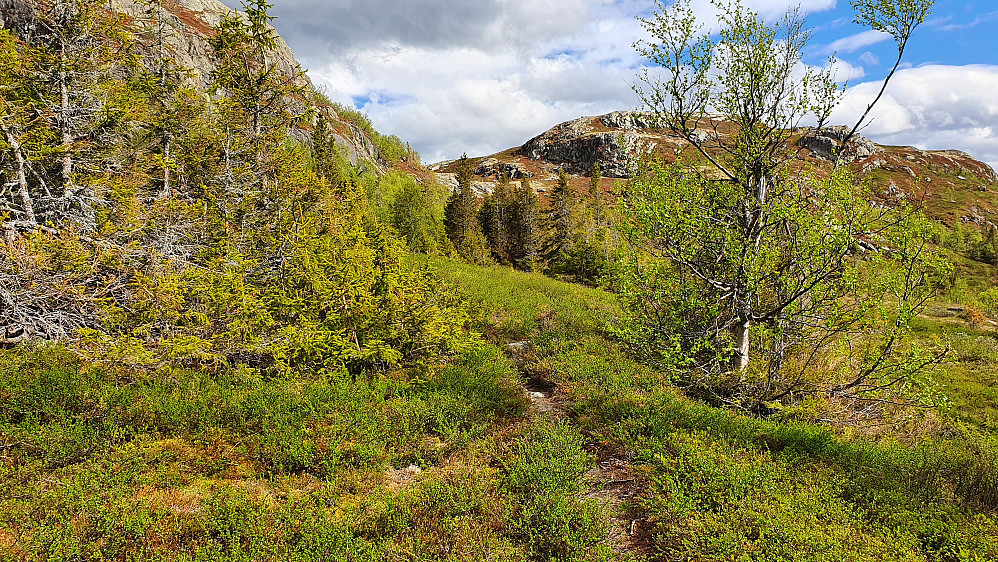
723, 486
515, 306
186, 465
444, 463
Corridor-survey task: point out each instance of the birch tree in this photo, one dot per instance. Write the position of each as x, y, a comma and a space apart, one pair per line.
749, 259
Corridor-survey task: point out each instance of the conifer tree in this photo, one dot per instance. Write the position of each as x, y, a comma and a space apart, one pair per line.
558, 218
495, 217
461, 217
524, 229
596, 203
22, 129
80, 44
260, 99
168, 117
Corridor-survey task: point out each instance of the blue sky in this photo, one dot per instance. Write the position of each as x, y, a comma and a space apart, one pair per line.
482, 76
956, 33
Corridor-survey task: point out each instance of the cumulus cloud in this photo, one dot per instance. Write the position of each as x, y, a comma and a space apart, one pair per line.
933, 106
486, 75
515, 80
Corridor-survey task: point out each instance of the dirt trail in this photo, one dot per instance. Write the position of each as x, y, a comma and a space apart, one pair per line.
613, 482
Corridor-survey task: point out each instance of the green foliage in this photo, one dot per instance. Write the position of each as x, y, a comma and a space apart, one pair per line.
414, 210
523, 227
721, 483
698, 283
560, 216
392, 148
461, 218
747, 282
227, 242
543, 474
577, 246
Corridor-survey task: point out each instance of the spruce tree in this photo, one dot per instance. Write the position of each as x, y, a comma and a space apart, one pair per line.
461, 217
524, 229
22, 132
260, 102
596, 203
495, 219
558, 218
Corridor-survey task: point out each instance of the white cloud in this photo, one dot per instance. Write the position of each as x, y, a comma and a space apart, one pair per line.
982, 18
485, 75
857, 41
932, 107
843, 71
869, 59
449, 99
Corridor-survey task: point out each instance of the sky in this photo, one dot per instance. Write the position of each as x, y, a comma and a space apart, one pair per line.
480, 76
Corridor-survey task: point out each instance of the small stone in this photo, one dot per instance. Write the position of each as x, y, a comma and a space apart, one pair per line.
520, 346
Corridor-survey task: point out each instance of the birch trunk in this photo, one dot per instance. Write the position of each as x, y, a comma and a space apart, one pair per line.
741, 359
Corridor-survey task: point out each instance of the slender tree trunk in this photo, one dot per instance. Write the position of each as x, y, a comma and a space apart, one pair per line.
228, 159
741, 359
64, 125
167, 138
22, 178
758, 187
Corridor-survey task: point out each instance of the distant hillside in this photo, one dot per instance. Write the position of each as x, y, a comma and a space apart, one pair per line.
955, 186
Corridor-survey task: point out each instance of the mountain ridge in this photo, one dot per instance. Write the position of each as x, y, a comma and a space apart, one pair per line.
617, 141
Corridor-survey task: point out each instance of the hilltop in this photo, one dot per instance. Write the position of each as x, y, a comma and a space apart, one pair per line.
954, 186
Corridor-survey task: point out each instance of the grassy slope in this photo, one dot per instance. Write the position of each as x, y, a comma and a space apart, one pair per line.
720, 486
449, 464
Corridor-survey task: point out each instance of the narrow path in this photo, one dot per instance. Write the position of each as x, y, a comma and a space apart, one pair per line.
613, 482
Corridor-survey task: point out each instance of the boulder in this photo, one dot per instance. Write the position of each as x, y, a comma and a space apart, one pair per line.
576, 147
494, 167
826, 142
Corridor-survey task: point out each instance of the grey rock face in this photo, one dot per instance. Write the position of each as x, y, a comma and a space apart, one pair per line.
494, 167
576, 147
17, 16
629, 120
189, 25
824, 143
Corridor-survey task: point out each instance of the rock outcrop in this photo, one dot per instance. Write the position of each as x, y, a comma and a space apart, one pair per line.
493, 167
826, 144
577, 145
629, 120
